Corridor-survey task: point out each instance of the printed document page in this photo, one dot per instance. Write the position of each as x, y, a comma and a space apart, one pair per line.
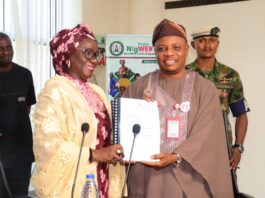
147, 142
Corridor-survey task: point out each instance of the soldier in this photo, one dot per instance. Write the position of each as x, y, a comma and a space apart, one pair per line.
227, 80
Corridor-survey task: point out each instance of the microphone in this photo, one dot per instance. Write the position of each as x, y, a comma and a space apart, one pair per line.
84, 129
136, 130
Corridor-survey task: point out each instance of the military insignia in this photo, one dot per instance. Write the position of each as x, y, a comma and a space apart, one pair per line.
224, 94
185, 106
214, 31
246, 105
225, 83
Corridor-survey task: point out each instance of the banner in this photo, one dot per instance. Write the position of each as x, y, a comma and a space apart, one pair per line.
128, 57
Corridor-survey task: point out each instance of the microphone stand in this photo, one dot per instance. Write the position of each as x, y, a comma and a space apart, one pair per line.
128, 168
136, 130
84, 130
5, 183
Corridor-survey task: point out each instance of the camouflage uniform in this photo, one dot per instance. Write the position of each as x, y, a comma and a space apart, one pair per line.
230, 89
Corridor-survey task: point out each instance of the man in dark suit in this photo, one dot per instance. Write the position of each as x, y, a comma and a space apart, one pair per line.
16, 97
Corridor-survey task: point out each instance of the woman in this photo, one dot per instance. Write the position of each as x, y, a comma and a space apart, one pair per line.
66, 102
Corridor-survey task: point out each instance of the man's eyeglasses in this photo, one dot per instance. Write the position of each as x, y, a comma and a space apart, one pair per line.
90, 54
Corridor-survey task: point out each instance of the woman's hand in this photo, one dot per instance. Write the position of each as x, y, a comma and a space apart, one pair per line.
165, 159
108, 154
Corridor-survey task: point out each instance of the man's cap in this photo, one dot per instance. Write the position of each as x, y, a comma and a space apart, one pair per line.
206, 31
168, 28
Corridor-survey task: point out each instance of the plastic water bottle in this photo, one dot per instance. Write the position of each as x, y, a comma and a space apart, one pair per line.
90, 189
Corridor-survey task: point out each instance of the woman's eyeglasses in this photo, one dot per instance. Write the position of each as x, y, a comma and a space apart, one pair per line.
90, 54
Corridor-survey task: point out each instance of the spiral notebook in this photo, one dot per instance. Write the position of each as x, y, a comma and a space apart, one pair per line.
115, 107
127, 112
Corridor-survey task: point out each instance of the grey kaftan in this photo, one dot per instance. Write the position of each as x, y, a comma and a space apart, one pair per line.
204, 171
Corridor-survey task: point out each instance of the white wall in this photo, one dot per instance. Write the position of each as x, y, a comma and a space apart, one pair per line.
144, 15
106, 16
242, 47
71, 18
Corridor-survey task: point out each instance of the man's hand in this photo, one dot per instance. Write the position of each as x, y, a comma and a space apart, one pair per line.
236, 156
149, 99
165, 159
241, 131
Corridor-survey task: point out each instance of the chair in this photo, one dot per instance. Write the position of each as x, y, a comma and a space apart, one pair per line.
4, 188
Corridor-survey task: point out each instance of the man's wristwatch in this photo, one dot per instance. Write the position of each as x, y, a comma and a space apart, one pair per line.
240, 147
178, 161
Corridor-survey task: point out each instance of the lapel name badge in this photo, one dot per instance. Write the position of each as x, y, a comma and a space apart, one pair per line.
185, 106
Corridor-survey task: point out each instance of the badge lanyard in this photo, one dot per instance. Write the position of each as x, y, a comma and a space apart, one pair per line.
173, 116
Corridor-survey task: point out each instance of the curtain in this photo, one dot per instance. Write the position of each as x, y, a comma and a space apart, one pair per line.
35, 22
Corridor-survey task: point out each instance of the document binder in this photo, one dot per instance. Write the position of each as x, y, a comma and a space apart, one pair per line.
128, 112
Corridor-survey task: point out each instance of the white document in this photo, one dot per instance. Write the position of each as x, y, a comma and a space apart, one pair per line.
147, 142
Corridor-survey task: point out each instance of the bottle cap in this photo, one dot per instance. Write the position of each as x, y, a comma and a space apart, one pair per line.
90, 176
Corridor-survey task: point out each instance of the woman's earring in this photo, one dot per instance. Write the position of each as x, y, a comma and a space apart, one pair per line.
68, 65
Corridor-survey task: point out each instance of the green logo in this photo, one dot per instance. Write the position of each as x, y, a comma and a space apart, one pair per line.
116, 48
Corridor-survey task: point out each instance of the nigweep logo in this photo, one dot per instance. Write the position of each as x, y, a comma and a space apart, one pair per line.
116, 48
